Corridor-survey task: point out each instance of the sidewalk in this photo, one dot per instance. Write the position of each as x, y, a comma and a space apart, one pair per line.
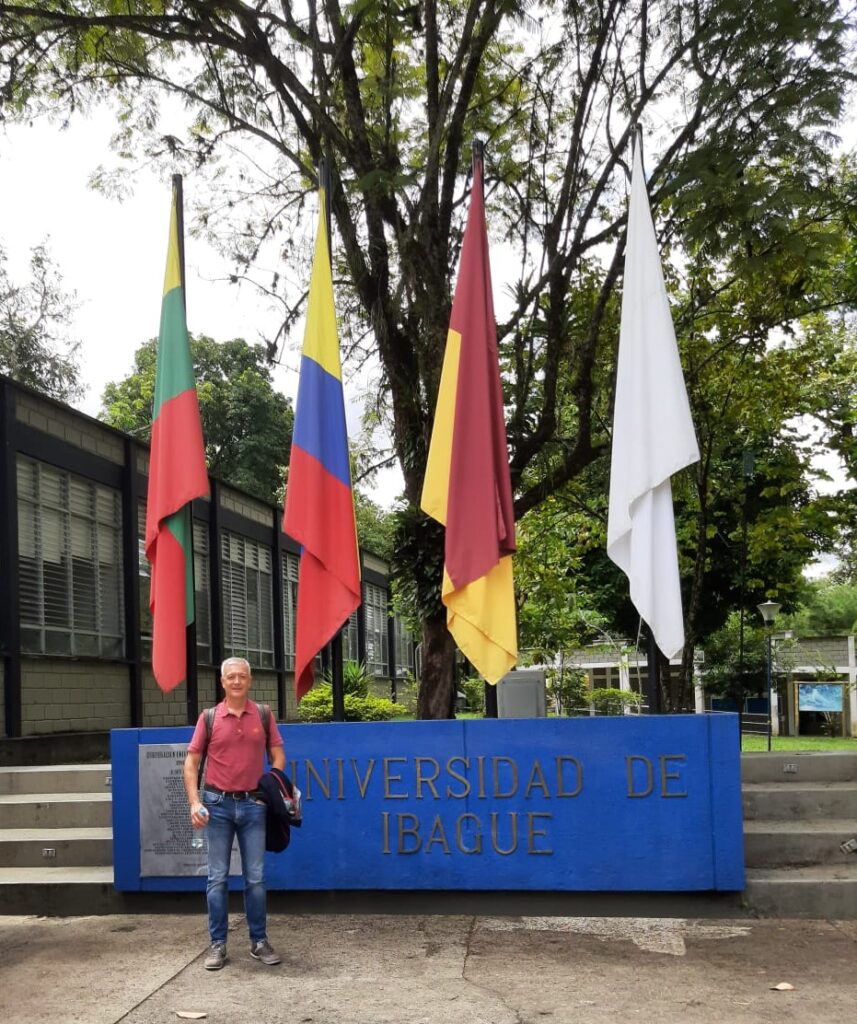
364, 969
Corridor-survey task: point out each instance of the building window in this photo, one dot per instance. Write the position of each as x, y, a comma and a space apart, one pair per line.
69, 564
248, 600
144, 580
202, 591
375, 610
404, 654
202, 588
350, 646
289, 566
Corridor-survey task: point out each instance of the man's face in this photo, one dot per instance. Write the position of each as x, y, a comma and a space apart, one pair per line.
236, 679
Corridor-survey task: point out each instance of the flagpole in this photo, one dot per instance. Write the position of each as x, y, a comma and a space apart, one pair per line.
653, 693
653, 702
478, 160
191, 679
336, 658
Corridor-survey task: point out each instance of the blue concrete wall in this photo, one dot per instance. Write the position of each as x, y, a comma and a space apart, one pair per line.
619, 803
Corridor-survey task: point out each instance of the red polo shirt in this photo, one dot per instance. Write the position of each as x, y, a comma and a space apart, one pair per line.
236, 752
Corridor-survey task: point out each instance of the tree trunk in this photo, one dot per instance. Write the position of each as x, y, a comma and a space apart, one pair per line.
686, 678
670, 689
694, 599
435, 697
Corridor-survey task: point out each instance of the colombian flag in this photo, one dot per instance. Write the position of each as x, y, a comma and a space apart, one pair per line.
467, 485
177, 475
319, 511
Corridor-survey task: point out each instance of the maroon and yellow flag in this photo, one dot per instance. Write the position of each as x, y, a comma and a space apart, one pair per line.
177, 475
467, 485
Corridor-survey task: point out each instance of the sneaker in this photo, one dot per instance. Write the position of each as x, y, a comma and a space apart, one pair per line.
216, 956
264, 951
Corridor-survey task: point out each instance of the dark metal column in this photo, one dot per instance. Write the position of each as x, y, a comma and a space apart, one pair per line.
216, 577
653, 689
391, 648
361, 620
279, 600
131, 562
10, 607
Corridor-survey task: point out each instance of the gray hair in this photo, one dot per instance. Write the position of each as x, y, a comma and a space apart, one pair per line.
240, 661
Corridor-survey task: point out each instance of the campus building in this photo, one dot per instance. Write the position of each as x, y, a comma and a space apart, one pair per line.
814, 689
75, 630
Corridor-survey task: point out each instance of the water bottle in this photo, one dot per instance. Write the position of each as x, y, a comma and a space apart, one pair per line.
197, 840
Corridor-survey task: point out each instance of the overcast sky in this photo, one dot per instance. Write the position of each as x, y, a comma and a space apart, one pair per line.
112, 254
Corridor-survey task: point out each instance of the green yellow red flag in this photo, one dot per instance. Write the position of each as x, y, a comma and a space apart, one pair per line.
177, 475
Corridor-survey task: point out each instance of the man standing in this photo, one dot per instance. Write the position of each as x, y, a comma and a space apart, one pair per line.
230, 805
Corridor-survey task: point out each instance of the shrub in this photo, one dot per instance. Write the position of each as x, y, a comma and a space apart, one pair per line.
370, 709
355, 678
567, 688
608, 701
317, 706
474, 693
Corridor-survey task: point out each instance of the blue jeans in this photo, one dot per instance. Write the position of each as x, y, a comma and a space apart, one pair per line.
246, 819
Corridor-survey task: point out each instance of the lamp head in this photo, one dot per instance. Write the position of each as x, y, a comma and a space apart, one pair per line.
769, 611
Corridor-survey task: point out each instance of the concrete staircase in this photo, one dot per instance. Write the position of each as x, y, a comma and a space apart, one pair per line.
56, 837
798, 810
56, 850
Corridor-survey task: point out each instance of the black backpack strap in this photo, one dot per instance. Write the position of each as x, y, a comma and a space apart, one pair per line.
209, 724
208, 716
265, 714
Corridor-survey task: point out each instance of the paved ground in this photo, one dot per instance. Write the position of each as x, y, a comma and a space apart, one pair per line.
365, 969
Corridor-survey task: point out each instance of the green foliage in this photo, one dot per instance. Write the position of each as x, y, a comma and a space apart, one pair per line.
567, 688
754, 215
370, 709
34, 318
355, 678
729, 674
247, 425
417, 567
555, 598
790, 743
826, 609
317, 706
375, 526
608, 701
474, 693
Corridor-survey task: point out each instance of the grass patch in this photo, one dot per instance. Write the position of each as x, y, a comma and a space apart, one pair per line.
751, 743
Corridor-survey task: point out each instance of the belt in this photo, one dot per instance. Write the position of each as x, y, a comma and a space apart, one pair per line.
236, 794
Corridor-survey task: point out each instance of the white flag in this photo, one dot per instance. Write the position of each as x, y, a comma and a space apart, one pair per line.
653, 435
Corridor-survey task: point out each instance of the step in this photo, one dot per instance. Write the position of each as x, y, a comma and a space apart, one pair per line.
799, 800
823, 891
55, 847
800, 766
64, 891
771, 844
71, 893
56, 810
58, 778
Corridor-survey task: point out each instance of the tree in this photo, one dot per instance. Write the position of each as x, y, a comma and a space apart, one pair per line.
247, 425
556, 605
34, 319
374, 526
827, 608
740, 95
731, 672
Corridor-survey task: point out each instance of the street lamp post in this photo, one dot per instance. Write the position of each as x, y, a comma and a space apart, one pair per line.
769, 610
